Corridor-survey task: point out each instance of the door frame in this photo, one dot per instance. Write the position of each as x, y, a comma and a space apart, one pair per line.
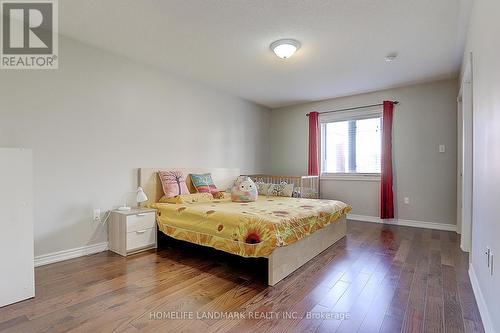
465, 119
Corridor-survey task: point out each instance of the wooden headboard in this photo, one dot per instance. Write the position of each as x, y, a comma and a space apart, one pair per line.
151, 184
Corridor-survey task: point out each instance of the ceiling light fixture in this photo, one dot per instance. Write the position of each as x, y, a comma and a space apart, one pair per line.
391, 57
285, 48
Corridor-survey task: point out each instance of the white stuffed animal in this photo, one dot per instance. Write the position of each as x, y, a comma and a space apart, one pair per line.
244, 190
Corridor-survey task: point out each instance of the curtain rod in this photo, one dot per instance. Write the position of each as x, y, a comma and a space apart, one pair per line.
355, 108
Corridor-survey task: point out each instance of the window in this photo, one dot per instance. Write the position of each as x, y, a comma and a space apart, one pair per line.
351, 143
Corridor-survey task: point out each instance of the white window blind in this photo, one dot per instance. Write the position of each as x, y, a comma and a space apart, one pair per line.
351, 143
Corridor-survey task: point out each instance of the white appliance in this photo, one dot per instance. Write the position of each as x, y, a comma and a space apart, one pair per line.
17, 274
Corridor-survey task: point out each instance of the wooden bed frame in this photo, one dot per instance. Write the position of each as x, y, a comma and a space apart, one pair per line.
284, 260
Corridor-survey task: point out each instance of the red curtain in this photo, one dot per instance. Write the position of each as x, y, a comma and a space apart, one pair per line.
386, 194
313, 165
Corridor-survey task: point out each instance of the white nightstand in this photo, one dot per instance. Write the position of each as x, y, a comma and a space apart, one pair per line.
132, 231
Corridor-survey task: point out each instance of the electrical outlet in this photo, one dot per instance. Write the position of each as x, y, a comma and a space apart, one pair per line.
97, 215
442, 148
407, 200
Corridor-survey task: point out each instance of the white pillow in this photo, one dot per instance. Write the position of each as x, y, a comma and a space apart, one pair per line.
280, 190
262, 188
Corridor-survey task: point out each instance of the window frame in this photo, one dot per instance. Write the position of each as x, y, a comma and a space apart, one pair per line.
373, 112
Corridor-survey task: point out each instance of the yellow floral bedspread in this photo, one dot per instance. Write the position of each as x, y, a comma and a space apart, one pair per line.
251, 229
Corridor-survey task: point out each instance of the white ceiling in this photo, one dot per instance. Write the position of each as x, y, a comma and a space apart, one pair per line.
225, 43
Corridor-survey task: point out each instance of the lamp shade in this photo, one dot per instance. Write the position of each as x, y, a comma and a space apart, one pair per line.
141, 196
285, 48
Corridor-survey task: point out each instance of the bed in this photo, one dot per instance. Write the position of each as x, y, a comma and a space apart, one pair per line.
287, 231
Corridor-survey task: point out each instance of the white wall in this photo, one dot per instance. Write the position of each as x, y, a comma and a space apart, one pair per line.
484, 43
98, 118
425, 118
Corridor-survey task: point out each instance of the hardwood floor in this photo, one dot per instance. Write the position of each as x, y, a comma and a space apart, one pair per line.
377, 279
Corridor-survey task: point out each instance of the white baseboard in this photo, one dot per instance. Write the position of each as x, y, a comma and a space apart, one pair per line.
481, 304
402, 222
463, 248
50, 258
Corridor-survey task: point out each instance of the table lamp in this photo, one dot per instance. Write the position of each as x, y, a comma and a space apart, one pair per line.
141, 197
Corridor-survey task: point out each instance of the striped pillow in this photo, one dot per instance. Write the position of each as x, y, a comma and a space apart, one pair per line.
204, 183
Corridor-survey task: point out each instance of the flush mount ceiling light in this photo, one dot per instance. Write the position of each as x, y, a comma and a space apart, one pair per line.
285, 48
391, 57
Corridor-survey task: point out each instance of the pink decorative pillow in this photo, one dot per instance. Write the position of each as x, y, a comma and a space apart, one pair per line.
173, 182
